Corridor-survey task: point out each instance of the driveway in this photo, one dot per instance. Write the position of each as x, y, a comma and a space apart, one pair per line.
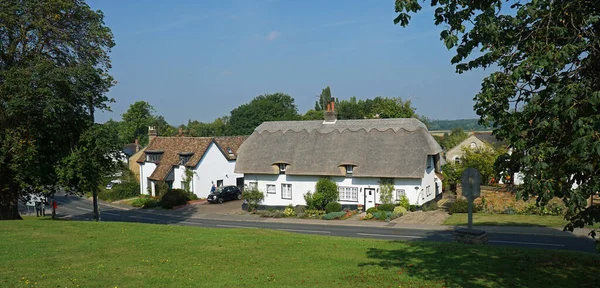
233, 207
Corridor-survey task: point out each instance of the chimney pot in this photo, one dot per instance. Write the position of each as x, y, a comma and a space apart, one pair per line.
151, 134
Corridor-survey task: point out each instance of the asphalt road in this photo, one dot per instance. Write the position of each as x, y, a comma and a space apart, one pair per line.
81, 209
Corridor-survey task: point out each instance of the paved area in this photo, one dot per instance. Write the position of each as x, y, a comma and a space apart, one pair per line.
436, 217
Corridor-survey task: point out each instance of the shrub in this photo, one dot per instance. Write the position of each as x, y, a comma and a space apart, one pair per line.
386, 207
431, 206
382, 215
368, 216
314, 201
461, 206
313, 214
510, 211
404, 202
145, 203
334, 215
399, 210
372, 210
173, 198
386, 191
121, 191
192, 196
271, 213
254, 197
326, 187
299, 209
333, 207
412, 208
289, 211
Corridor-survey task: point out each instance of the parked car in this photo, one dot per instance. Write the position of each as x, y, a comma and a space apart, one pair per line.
225, 193
113, 183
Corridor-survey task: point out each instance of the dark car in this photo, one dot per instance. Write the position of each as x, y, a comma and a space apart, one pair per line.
225, 193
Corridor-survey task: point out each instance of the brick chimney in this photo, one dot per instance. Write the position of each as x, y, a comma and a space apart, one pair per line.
151, 134
330, 115
137, 145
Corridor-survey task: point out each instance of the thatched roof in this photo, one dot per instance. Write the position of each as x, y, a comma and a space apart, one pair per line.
389, 148
172, 147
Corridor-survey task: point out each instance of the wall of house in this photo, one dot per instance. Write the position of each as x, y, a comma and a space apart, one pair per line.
134, 166
212, 167
146, 169
427, 192
458, 150
303, 184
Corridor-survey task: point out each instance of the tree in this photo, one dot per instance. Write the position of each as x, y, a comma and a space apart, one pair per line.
378, 107
544, 96
328, 189
96, 156
350, 109
269, 107
324, 99
53, 77
216, 128
135, 122
483, 160
313, 115
450, 141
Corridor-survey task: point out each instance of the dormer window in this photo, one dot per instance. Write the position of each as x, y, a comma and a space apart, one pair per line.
153, 156
184, 157
230, 152
349, 169
282, 168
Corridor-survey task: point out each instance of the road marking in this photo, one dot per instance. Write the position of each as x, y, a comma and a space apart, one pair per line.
233, 226
526, 243
186, 222
111, 214
307, 231
385, 235
140, 217
84, 209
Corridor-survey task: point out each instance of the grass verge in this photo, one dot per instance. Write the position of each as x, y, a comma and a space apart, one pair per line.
87, 254
482, 219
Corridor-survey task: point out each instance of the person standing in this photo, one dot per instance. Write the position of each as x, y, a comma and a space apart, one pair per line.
213, 188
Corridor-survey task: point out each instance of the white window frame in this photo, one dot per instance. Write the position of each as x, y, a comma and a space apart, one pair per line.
282, 167
253, 185
400, 193
348, 193
349, 169
274, 188
286, 190
427, 190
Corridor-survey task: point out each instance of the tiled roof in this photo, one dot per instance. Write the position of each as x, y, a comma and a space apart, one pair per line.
488, 138
230, 144
173, 146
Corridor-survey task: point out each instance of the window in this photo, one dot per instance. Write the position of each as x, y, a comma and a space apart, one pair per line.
282, 168
286, 191
153, 157
184, 159
229, 151
456, 160
473, 145
427, 192
400, 193
219, 183
348, 194
271, 189
349, 169
253, 185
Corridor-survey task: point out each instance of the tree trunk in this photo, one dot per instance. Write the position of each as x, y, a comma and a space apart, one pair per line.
95, 203
8, 205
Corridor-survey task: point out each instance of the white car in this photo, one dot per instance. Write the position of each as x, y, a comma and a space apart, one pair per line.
113, 183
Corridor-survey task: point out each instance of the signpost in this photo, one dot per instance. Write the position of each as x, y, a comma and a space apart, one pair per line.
471, 189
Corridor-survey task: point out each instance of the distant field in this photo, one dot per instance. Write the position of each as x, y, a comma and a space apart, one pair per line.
48, 253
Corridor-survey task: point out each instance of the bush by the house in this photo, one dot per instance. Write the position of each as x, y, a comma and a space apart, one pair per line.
311, 214
412, 208
372, 210
192, 196
314, 201
431, 206
334, 215
382, 215
368, 216
461, 206
271, 213
254, 197
399, 210
289, 211
386, 191
144, 202
326, 187
404, 202
386, 207
299, 209
333, 207
174, 197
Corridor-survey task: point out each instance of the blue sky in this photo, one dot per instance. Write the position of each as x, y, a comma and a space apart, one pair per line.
200, 59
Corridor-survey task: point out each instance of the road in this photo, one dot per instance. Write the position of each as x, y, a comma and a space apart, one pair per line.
81, 209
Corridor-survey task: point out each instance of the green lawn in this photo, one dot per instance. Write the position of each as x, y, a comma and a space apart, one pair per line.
506, 220
48, 253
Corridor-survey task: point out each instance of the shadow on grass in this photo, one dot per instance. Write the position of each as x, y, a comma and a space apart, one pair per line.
459, 265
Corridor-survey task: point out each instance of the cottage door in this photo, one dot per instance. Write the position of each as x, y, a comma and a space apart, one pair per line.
369, 198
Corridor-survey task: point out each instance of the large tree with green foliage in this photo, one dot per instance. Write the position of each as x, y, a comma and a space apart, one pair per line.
269, 107
449, 141
54, 67
378, 107
215, 128
544, 96
324, 99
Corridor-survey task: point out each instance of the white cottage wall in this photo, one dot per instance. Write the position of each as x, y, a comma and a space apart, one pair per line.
303, 184
213, 167
146, 169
